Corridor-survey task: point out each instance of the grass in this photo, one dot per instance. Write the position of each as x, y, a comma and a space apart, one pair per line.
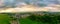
44, 19
4, 19
37, 19
28, 21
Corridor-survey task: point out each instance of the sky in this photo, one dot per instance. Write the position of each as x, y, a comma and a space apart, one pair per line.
42, 4
39, 3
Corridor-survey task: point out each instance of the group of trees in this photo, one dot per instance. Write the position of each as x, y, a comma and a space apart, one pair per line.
44, 17
51, 18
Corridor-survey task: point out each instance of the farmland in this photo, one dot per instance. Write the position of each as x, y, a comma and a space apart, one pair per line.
4, 19
34, 18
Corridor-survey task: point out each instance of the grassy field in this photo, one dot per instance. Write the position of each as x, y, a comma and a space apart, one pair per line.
42, 19
47, 18
4, 19
27, 21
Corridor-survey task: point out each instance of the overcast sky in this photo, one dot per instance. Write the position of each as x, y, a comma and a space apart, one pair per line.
34, 2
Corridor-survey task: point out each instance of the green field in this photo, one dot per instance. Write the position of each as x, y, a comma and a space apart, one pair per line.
28, 21
47, 18
4, 19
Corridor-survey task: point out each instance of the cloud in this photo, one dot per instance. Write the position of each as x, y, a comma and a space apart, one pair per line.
33, 2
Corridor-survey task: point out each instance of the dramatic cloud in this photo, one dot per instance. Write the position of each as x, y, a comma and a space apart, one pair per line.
40, 3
